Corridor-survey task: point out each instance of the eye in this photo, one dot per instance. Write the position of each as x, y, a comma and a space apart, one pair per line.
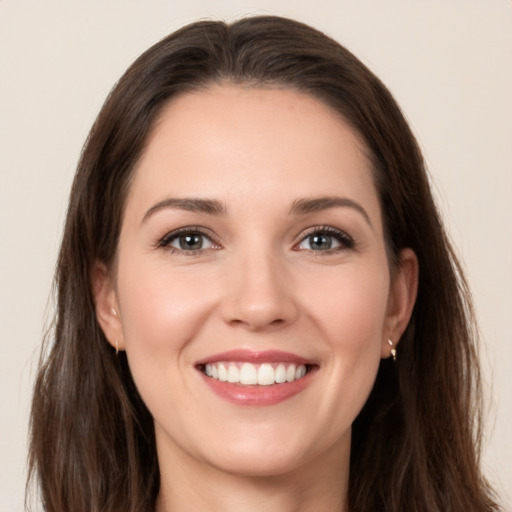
191, 242
188, 241
325, 239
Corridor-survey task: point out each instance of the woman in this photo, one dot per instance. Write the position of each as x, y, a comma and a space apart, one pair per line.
258, 307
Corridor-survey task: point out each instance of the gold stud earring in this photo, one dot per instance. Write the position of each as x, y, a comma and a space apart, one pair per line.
117, 348
393, 349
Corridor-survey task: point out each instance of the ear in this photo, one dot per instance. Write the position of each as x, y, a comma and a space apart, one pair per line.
107, 309
402, 297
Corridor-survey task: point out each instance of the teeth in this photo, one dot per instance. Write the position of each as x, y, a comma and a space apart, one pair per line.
281, 374
266, 375
249, 374
233, 373
223, 373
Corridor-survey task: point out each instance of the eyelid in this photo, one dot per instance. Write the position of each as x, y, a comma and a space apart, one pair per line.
346, 241
164, 241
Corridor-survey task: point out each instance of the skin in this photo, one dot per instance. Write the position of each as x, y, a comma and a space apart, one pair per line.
257, 283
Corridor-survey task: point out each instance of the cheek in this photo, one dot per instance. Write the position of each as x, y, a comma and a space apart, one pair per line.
161, 311
351, 314
351, 308
354, 325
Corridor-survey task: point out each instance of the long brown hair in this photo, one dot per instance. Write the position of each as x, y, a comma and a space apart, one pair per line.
415, 443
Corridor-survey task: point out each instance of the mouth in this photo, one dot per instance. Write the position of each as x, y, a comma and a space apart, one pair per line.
250, 374
257, 378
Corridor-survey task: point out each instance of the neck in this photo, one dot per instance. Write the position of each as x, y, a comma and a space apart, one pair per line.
320, 486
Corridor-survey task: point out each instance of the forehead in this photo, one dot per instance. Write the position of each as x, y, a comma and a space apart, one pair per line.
231, 140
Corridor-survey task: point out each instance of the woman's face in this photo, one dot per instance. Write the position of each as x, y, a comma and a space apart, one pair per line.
252, 291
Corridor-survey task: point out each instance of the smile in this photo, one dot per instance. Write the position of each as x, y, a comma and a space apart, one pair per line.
249, 374
253, 378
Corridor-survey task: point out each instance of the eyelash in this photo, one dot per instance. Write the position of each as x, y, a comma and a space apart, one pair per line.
346, 242
166, 240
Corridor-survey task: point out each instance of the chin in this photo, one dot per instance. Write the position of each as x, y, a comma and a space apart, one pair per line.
255, 465
274, 454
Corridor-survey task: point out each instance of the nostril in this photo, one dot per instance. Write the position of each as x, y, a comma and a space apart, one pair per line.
256, 324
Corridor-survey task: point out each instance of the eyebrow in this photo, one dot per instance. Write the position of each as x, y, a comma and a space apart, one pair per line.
214, 207
191, 204
316, 204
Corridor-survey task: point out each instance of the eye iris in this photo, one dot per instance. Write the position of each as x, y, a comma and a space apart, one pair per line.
191, 242
320, 242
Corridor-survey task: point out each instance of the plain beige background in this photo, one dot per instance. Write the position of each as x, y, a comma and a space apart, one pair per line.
448, 63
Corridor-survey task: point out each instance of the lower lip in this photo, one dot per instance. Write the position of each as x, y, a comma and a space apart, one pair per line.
258, 395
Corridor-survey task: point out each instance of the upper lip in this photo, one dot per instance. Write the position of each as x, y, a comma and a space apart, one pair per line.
255, 356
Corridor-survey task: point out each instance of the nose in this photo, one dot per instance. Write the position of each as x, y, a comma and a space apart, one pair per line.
259, 295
